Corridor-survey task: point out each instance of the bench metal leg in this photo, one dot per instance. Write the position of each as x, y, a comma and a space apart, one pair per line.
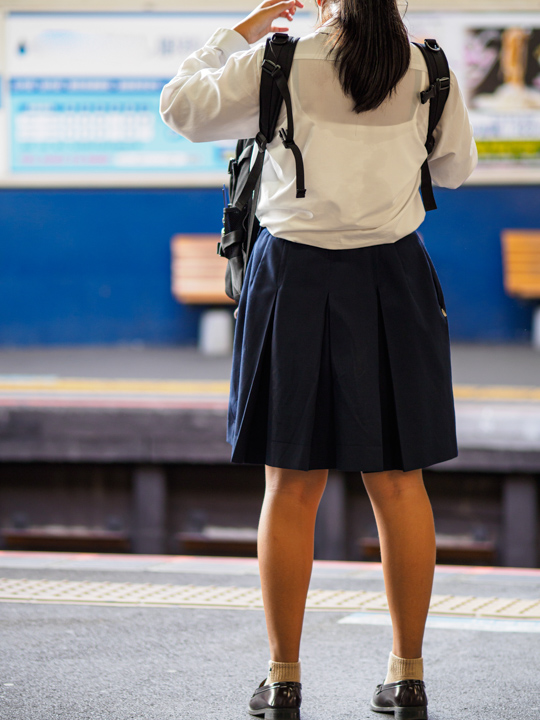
216, 332
535, 333
149, 510
520, 521
330, 528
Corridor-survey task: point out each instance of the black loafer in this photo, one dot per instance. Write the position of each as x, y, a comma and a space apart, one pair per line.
277, 701
406, 699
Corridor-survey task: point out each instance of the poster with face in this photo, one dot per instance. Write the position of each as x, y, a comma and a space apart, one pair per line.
503, 79
504, 68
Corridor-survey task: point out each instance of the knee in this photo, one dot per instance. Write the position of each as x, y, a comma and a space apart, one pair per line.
300, 487
393, 485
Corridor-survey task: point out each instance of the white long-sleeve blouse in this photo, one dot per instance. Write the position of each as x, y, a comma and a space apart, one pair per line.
362, 170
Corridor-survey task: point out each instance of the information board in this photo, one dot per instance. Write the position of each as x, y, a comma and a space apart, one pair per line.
80, 94
83, 94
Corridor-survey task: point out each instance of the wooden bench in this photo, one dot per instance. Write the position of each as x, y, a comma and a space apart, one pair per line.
451, 550
228, 542
198, 272
521, 263
66, 539
521, 271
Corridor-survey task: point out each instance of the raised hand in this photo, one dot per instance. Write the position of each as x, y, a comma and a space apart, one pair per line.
261, 21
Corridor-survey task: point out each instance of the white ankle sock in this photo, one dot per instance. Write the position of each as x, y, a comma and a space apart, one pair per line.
283, 672
404, 669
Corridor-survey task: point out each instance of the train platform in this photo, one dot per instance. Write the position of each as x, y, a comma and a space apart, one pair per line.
169, 404
151, 407
514, 365
125, 637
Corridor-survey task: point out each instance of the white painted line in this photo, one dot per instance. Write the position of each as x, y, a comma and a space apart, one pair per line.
498, 426
451, 623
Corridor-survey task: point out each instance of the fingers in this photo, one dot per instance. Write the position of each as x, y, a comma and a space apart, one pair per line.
282, 5
272, 3
289, 9
287, 6
289, 14
261, 21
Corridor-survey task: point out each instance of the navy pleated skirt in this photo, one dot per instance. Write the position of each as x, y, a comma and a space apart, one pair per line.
341, 359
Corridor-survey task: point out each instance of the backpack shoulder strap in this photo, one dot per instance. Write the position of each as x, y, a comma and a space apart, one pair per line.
276, 68
436, 94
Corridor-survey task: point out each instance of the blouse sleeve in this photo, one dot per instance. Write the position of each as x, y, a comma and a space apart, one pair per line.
215, 95
454, 155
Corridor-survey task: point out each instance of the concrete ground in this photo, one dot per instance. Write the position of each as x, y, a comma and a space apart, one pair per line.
104, 662
115, 662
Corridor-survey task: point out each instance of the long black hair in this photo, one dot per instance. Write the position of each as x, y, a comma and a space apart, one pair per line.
371, 50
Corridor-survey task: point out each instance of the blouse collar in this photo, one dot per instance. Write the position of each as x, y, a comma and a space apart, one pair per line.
325, 27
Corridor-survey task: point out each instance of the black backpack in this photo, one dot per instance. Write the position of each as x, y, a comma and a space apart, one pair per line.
240, 224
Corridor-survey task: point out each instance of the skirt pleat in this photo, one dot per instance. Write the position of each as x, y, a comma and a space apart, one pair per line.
341, 359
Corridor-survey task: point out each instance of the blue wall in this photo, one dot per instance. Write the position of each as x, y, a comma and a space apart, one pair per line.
463, 239
93, 266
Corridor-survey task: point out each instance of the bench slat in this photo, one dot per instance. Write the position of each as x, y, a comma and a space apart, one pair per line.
197, 271
191, 267
521, 262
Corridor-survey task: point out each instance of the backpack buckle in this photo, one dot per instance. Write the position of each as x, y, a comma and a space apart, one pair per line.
271, 67
261, 141
283, 134
426, 95
443, 83
438, 86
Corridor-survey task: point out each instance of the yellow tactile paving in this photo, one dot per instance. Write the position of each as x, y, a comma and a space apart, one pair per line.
114, 386
153, 595
119, 386
462, 605
497, 392
514, 609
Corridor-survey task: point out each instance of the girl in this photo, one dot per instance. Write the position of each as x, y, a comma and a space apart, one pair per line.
341, 356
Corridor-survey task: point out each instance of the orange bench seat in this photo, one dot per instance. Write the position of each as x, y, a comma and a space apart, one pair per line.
197, 271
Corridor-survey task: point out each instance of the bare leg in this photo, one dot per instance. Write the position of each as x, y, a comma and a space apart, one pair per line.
407, 536
285, 550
